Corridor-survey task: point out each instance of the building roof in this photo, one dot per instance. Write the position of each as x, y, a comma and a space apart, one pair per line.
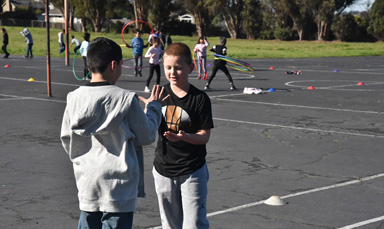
37, 4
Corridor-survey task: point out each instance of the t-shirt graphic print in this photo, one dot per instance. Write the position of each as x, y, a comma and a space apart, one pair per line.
173, 116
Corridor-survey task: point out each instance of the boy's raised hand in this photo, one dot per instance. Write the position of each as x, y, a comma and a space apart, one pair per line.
156, 95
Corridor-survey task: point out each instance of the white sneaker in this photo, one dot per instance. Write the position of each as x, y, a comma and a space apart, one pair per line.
146, 89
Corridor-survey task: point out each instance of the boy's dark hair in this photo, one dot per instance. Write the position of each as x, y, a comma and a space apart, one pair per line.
72, 36
2, 29
136, 31
179, 49
101, 52
87, 36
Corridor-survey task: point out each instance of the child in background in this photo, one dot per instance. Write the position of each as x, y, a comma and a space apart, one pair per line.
154, 52
61, 41
76, 42
220, 64
201, 50
137, 45
5, 42
180, 170
29, 40
83, 52
168, 39
101, 125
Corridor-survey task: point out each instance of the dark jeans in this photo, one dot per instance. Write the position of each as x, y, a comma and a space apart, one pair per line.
223, 68
152, 68
76, 48
4, 48
62, 47
29, 50
86, 71
138, 63
99, 220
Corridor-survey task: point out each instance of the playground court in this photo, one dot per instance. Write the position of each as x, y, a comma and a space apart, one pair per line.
320, 150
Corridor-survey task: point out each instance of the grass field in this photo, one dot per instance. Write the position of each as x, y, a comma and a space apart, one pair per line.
237, 48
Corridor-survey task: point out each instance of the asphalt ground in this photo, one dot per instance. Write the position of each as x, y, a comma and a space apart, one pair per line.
320, 150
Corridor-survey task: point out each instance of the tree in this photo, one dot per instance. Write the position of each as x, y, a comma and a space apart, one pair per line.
301, 12
141, 11
276, 20
201, 12
325, 12
160, 11
324, 16
376, 22
346, 28
252, 18
231, 11
94, 10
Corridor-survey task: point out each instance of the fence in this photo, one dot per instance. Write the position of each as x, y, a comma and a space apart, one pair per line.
35, 23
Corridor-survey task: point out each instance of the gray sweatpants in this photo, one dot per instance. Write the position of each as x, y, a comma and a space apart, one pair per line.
183, 199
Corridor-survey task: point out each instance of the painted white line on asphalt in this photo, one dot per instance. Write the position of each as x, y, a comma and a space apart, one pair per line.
300, 128
33, 98
340, 87
300, 106
374, 220
358, 71
54, 83
299, 194
11, 99
37, 81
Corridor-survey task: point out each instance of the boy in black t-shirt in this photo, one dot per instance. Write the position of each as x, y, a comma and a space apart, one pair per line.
220, 64
180, 170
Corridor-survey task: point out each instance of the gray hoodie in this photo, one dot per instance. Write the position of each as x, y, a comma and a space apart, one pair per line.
99, 128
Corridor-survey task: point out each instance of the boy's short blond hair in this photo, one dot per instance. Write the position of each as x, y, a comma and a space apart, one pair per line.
179, 49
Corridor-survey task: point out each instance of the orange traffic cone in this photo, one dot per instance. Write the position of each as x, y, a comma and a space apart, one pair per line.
311, 88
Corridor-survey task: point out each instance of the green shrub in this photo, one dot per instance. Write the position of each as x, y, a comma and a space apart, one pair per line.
284, 34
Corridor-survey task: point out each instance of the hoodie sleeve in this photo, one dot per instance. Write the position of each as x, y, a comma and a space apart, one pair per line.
65, 134
144, 125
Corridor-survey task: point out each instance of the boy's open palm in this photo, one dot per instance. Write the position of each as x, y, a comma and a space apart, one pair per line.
156, 95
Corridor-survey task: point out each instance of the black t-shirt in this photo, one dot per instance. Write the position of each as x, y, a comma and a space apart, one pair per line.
191, 113
218, 49
5, 38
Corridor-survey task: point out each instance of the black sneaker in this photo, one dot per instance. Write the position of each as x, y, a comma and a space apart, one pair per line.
232, 87
207, 87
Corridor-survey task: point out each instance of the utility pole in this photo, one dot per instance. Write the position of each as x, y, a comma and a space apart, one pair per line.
48, 49
66, 33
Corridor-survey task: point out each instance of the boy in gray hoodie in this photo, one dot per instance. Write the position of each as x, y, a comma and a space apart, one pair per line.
101, 125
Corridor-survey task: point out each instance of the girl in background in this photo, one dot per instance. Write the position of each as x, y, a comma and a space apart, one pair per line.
154, 52
201, 50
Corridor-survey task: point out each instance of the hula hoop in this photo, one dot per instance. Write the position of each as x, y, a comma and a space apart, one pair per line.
73, 68
127, 23
147, 66
235, 64
205, 77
